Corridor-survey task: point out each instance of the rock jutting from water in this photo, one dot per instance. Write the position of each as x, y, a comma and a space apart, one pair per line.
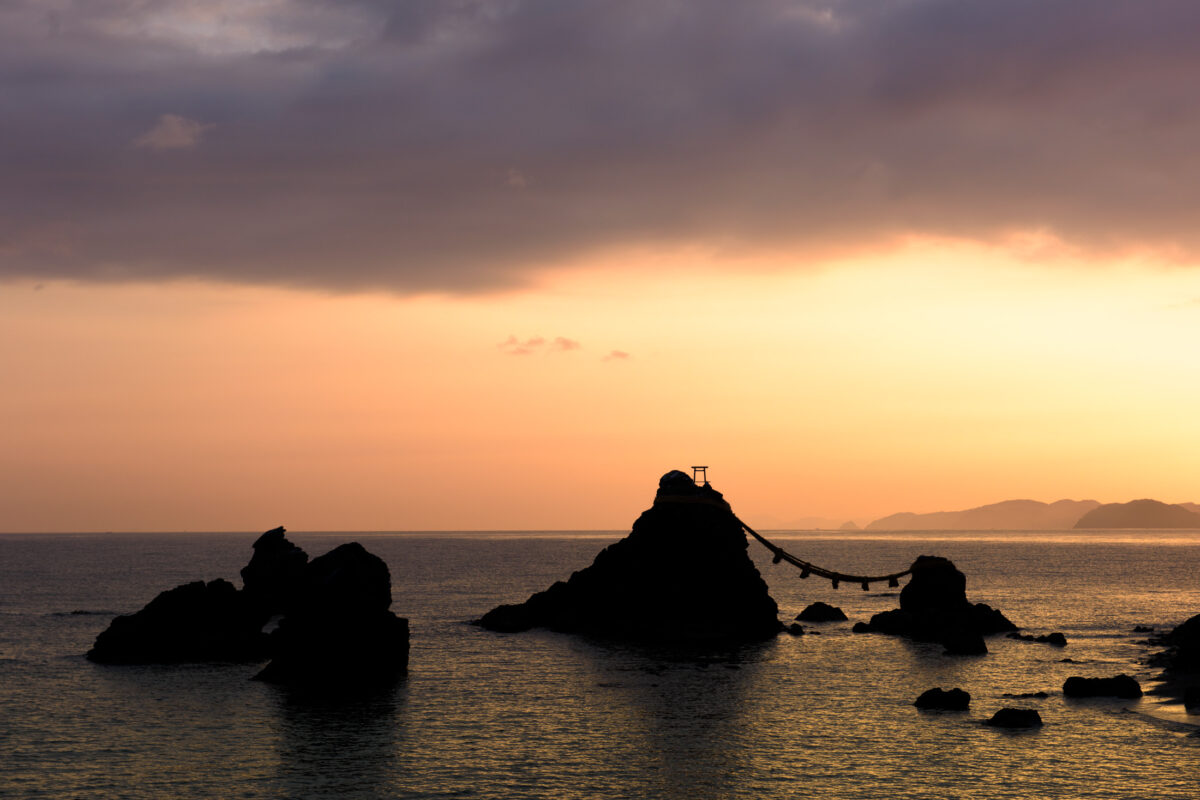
1122, 686
1015, 718
334, 627
934, 608
944, 699
1180, 660
683, 574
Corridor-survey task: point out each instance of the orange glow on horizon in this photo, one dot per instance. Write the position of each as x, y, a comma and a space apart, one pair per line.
938, 376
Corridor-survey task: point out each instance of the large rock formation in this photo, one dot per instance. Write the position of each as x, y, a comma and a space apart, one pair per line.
338, 627
194, 622
934, 607
1180, 660
334, 624
682, 574
1139, 514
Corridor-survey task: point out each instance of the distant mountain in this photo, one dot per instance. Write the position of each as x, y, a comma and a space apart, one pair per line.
1141, 514
849, 526
1011, 515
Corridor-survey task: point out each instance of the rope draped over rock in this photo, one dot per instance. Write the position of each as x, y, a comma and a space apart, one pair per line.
806, 568
779, 554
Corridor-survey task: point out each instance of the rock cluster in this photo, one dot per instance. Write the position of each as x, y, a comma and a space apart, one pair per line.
682, 574
334, 623
934, 608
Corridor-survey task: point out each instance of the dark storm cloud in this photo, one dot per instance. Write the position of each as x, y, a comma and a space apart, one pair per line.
455, 145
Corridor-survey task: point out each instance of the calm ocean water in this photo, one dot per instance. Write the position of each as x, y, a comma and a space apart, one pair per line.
485, 715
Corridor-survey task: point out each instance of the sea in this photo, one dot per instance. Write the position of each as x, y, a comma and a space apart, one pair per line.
828, 714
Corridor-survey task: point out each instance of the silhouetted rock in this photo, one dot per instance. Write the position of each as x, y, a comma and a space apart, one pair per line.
1142, 629
934, 608
1139, 514
194, 622
272, 578
1122, 686
682, 574
1181, 656
821, 612
949, 700
1056, 639
335, 628
861, 627
795, 629
1015, 718
1026, 696
1191, 700
339, 628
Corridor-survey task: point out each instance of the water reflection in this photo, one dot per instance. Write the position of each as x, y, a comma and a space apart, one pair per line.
684, 711
338, 746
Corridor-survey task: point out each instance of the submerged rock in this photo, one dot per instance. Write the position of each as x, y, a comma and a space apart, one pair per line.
1122, 686
934, 608
1056, 638
334, 629
1015, 718
821, 612
948, 700
682, 574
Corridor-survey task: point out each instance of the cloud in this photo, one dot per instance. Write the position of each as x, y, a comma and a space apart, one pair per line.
360, 141
617, 355
565, 344
172, 132
517, 347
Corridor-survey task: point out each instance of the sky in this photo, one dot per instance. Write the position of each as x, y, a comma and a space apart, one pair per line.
499, 264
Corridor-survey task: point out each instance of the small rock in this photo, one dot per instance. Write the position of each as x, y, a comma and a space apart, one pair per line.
1143, 629
1026, 696
1056, 638
1191, 700
951, 700
1015, 718
861, 627
821, 612
1121, 686
795, 629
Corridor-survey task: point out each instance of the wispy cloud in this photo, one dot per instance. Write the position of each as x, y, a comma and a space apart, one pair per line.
565, 344
617, 355
172, 132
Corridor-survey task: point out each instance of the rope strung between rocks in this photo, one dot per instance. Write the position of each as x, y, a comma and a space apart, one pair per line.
806, 569
779, 554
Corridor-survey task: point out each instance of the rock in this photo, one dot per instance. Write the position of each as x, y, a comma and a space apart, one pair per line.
1056, 639
1026, 696
1191, 700
1181, 657
339, 630
934, 608
336, 629
951, 700
1122, 686
861, 627
682, 574
795, 629
194, 622
821, 612
1015, 718
273, 576
1142, 629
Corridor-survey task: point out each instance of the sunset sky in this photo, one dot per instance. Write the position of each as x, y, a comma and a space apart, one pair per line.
497, 264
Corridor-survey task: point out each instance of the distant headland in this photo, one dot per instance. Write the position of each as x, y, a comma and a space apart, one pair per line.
1018, 515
